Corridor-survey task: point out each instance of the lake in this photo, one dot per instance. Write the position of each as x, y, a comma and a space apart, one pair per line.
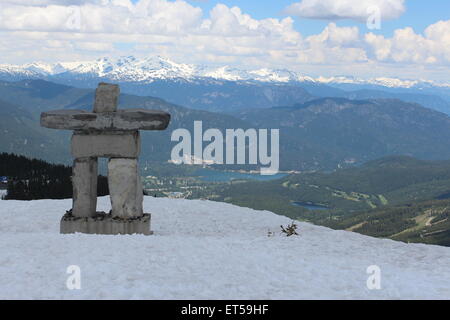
226, 176
309, 206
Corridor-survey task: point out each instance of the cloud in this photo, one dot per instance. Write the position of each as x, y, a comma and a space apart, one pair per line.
107, 16
225, 35
359, 10
334, 45
337, 36
159, 25
406, 46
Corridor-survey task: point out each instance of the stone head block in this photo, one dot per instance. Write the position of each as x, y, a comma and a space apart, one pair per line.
106, 98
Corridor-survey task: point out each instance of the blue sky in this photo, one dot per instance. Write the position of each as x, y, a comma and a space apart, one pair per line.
315, 37
419, 14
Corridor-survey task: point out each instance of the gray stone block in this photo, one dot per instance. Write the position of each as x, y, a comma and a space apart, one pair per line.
84, 180
141, 119
125, 188
125, 120
102, 223
109, 144
106, 97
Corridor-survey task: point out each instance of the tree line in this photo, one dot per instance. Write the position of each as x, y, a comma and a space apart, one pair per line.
33, 179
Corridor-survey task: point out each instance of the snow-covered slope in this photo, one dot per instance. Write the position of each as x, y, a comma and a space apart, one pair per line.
207, 250
148, 69
132, 69
14, 72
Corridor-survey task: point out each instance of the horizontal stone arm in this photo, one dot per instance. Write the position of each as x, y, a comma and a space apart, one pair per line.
129, 119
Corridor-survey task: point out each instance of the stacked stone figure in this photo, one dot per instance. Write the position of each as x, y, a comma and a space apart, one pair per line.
114, 134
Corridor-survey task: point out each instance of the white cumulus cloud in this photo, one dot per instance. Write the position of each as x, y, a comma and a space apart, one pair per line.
407, 46
69, 30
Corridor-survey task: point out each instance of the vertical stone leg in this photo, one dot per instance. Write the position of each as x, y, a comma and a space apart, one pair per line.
84, 179
125, 188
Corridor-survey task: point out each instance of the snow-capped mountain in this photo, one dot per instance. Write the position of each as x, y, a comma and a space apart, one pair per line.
132, 69
380, 81
49, 68
149, 69
17, 72
208, 250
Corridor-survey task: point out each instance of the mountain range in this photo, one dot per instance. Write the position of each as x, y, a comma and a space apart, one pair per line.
153, 68
225, 88
328, 133
23, 101
319, 134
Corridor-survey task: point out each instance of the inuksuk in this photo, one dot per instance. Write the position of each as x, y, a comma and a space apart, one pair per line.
114, 134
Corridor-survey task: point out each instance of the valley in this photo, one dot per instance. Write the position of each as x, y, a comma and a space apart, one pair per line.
397, 197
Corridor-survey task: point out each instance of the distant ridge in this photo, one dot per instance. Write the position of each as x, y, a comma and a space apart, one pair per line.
151, 68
